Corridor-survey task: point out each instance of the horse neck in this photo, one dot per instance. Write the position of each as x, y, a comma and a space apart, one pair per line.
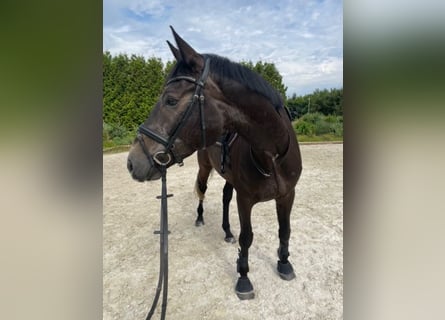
261, 126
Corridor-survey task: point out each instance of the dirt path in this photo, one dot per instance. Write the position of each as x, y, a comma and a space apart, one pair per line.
202, 266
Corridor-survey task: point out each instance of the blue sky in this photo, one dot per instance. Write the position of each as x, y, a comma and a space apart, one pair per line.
304, 39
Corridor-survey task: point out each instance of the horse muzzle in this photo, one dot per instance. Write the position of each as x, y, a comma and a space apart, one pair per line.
144, 167
142, 173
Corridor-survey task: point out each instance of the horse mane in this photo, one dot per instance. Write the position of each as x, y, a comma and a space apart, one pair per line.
229, 70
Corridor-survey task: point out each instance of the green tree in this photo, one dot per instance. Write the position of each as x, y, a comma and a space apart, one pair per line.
297, 105
131, 88
327, 102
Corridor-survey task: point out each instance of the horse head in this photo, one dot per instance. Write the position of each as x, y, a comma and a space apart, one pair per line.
187, 117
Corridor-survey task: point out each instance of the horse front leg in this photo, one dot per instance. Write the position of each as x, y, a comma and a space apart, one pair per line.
201, 184
227, 197
244, 288
284, 207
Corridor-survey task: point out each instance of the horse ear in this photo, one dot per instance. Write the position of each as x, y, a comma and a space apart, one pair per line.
175, 51
187, 53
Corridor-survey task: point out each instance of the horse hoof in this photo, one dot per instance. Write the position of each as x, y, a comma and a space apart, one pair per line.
285, 271
199, 223
229, 239
244, 289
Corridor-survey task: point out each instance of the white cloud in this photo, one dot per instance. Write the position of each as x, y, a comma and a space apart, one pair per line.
141, 7
331, 66
302, 38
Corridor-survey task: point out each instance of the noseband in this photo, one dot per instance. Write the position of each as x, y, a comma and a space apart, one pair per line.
165, 157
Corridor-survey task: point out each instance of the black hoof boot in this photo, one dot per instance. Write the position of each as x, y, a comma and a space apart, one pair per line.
244, 289
285, 270
199, 222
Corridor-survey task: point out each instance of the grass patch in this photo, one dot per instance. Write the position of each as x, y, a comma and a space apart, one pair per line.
116, 149
320, 138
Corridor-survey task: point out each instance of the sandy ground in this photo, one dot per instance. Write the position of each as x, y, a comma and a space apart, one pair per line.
202, 268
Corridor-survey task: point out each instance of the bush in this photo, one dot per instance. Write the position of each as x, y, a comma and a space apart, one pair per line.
323, 127
313, 118
114, 135
105, 131
304, 128
318, 124
126, 139
116, 131
332, 118
338, 129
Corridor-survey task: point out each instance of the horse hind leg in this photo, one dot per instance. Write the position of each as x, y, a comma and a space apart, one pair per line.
200, 188
284, 207
227, 197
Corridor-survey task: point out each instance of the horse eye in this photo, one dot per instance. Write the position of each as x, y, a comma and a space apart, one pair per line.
171, 102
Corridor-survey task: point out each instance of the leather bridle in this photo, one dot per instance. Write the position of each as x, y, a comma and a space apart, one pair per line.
165, 157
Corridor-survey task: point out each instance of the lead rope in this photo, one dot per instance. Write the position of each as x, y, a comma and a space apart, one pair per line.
163, 268
203, 123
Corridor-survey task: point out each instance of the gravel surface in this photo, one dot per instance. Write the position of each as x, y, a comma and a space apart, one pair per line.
202, 267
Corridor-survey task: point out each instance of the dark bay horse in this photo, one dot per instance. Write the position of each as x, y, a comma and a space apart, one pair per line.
206, 97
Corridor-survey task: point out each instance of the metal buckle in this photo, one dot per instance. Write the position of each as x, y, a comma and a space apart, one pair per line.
162, 158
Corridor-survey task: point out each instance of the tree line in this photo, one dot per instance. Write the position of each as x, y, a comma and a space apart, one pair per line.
326, 102
132, 85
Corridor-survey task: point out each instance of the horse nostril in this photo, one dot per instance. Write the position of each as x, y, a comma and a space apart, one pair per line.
129, 166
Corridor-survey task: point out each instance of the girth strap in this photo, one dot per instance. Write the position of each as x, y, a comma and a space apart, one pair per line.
226, 142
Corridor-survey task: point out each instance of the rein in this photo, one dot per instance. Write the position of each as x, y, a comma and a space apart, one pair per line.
163, 268
169, 142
